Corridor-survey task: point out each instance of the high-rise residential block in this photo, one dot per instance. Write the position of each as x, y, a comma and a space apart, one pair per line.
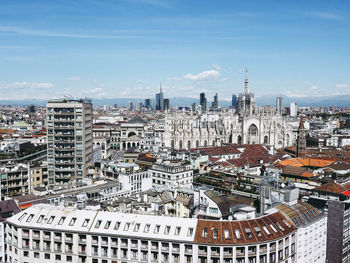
69, 144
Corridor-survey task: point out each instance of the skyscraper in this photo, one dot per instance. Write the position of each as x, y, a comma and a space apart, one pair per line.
234, 101
215, 103
147, 103
166, 104
69, 144
160, 99
279, 104
293, 109
203, 102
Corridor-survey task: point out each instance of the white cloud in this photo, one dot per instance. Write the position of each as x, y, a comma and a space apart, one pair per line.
205, 75
342, 85
27, 85
313, 88
93, 91
327, 15
74, 78
216, 67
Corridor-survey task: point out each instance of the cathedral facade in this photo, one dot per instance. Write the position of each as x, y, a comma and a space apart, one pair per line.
247, 124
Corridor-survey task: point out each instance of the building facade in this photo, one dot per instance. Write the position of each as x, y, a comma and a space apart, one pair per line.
56, 234
69, 145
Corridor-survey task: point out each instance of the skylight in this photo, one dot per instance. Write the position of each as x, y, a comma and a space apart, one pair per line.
137, 227
167, 230
147, 227
98, 223
61, 220
117, 225
266, 230
50, 219
237, 233
227, 234
22, 216
30, 217
40, 219
107, 225
127, 226
72, 222
86, 222
204, 232
273, 228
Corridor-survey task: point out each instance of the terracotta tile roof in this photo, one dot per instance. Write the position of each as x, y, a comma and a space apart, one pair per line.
251, 231
331, 188
300, 162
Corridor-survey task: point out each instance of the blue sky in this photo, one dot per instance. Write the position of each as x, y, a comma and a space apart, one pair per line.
125, 48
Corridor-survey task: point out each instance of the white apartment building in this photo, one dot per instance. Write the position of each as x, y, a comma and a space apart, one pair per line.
46, 233
132, 178
172, 175
69, 136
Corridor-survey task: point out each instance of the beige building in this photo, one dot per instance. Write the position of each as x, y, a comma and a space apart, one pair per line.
69, 146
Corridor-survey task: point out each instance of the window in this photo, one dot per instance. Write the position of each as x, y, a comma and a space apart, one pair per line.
85, 223
117, 225
98, 223
36, 255
273, 228
248, 232
147, 227
61, 220
177, 230
286, 222
30, 217
50, 219
190, 231
108, 224
127, 226
136, 227
69, 258
258, 231
237, 233
227, 234
215, 233
58, 257
167, 230
72, 221
266, 230
279, 226
204, 232
47, 256
156, 229
40, 219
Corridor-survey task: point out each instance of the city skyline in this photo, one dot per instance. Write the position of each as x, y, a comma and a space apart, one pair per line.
123, 49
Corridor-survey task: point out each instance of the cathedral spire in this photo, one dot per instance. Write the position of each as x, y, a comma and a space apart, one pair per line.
246, 91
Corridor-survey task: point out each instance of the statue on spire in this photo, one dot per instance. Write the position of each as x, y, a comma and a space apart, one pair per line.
246, 91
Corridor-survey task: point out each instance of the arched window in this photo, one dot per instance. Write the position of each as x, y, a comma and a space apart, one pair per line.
205, 143
172, 144
253, 130
180, 144
197, 144
189, 144
239, 139
266, 140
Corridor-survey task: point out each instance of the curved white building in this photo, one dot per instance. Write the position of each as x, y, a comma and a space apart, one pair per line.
56, 234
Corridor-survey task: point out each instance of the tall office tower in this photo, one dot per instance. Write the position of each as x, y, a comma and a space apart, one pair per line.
166, 104
234, 101
293, 109
147, 103
279, 104
139, 106
215, 103
203, 102
130, 105
160, 99
193, 107
69, 144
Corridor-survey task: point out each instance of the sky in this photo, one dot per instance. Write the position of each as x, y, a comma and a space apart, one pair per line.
127, 48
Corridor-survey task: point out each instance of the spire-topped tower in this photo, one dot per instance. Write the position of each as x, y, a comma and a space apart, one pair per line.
301, 140
160, 88
246, 90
